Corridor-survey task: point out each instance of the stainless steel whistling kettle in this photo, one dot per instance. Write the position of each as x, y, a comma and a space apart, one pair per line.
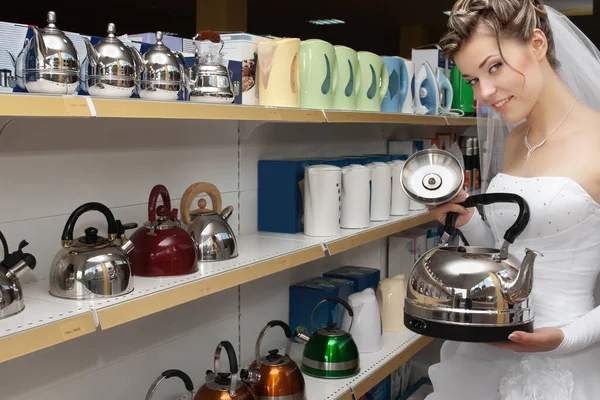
12, 267
110, 67
209, 80
92, 266
224, 385
275, 376
209, 228
161, 75
48, 62
170, 373
472, 294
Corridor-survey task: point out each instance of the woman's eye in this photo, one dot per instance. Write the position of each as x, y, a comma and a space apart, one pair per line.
495, 67
472, 81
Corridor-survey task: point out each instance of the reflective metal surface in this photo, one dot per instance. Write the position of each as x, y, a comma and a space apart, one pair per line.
469, 285
210, 84
50, 63
11, 295
213, 235
85, 273
432, 176
169, 374
110, 69
161, 76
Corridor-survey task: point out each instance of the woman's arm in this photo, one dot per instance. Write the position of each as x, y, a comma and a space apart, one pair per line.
478, 232
580, 334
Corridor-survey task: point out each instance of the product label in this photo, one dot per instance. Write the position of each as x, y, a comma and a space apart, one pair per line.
476, 179
467, 184
71, 330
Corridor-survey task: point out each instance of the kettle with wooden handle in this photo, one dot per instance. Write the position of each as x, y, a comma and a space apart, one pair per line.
210, 230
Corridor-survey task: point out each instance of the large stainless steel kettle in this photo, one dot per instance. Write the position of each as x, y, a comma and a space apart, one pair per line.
110, 67
48, 62
472, 294
224, 385
92, 266
330, 352
212, 234
276, 376
12, 267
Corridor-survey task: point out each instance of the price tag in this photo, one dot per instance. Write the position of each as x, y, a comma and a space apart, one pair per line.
71, 330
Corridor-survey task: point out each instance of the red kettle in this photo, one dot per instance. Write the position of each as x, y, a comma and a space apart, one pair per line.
162, 247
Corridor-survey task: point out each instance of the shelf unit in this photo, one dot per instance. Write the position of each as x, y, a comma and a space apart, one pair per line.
29, 105
48, 321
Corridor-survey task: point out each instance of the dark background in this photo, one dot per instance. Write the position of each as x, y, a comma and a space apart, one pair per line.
373, 25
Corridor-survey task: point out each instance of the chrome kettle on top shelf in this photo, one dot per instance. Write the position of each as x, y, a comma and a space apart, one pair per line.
208, 80
48, 63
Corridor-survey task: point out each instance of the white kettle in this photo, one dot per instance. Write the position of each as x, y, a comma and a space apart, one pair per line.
322, 199
381, 191
400, 201
390, 297
366, 326
356, 197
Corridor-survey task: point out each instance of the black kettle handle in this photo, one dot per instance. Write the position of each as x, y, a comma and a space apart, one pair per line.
93, 206
335, 300
490, 198
288, 334
233, 364
170, 373
4, 245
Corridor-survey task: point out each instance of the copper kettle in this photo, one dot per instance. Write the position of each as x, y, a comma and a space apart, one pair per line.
224, 385
276, 376
162, 246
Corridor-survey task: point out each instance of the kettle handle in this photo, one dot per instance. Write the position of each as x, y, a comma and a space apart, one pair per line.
335, 300
4, 245
67, 235
194, 190
233, 365
170, 373
271, 324
490, 198
164, 193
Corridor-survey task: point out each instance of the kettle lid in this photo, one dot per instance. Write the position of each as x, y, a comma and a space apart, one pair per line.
332, 330
90, 239
222, 383
275, 359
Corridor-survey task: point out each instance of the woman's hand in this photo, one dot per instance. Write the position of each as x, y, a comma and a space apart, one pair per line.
439, 212
543, 339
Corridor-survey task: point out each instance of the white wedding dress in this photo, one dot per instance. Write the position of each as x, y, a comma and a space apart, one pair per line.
565, 228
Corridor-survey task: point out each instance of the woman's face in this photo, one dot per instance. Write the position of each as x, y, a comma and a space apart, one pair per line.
494, 83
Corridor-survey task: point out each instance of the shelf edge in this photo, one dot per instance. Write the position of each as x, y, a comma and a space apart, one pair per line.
347, 243
45, 336
142, 307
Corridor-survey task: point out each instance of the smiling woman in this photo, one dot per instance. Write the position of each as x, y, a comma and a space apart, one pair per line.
540, 76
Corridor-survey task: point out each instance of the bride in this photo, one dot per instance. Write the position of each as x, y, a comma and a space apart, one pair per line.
539, 78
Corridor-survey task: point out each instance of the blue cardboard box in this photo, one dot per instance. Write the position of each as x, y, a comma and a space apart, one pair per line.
381, 391
304, 297
371, 158
361, 277
280, 198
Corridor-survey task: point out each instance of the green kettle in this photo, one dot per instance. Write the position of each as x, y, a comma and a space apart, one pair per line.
330, 352
463, 98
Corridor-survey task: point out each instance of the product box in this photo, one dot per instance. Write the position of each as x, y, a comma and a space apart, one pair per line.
419, 391
362, 277
371, 158
431, 54
405, 147
381, 391
241, 49
304, 297
280, 194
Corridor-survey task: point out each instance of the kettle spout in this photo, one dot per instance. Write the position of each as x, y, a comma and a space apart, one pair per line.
138, 60
227, 212
302, 338
185, 72
520, 288
92, 54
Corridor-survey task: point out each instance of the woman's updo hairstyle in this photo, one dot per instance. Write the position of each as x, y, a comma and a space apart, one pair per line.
515, 19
